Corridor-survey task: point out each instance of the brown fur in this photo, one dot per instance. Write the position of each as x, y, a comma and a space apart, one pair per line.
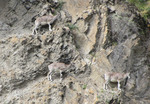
115, 77
57, 67
49, 19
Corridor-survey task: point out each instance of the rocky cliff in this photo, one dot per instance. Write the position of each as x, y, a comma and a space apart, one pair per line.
94, 36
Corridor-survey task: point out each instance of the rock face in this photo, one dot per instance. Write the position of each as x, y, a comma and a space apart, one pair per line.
94, 36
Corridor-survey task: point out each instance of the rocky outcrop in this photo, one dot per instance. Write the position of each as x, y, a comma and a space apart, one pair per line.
94, 36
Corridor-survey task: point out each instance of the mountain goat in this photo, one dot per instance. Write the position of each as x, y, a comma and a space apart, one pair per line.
115, 77
44, 20
57, 67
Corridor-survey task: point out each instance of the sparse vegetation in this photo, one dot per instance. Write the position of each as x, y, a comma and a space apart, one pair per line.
98, 96
93, 54
60, 5
143, 6
84, 87
77, 46
72, 26
114, 43
102, 91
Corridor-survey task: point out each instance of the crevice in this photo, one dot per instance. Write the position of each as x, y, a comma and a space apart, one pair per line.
98, 35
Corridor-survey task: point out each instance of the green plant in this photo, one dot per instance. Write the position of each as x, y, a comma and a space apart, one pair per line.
78, 46
143, 6
60, 5
72, 26
84, 87
114, 43
98, 96
102, 90
146, 13
142, 33
92, 54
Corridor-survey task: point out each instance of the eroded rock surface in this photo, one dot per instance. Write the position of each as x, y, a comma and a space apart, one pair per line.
94, 36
